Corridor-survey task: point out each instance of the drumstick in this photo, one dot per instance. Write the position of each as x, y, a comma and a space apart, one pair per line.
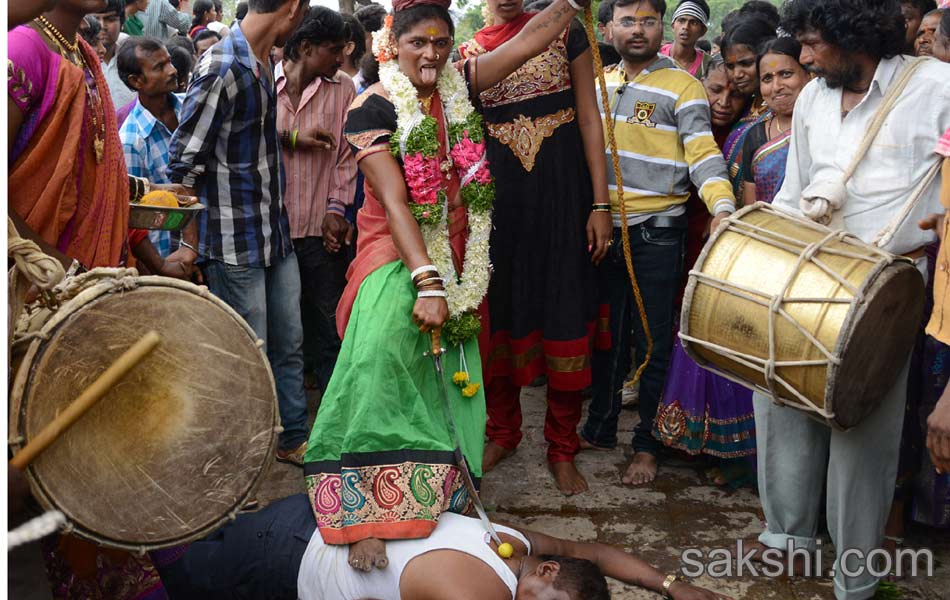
86, 400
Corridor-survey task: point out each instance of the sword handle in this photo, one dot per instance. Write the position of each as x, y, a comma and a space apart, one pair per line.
435, 336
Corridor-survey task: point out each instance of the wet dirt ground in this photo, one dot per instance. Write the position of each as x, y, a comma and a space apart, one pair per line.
679, 511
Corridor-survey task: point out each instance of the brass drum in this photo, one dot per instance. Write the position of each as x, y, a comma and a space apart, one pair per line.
813, 318
179, 445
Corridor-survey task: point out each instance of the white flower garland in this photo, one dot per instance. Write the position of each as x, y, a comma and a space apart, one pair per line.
465, 295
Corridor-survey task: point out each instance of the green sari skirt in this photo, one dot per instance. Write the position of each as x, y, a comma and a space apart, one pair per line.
380, 460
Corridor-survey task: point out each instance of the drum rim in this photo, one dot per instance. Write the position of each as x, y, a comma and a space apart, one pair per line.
20, 389
886, 260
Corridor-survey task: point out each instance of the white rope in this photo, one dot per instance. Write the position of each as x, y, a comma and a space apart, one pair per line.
35, 529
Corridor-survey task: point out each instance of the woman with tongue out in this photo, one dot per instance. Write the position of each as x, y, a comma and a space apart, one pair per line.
552, 225
380, 462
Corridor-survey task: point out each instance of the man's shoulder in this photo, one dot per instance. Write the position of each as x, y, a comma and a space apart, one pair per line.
934, 71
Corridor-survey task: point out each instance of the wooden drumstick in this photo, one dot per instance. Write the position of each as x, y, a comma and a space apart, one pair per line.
86, 400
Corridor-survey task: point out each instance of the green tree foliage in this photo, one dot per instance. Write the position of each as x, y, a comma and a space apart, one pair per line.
719, 9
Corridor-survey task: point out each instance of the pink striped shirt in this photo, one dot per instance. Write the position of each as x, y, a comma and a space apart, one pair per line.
317, 180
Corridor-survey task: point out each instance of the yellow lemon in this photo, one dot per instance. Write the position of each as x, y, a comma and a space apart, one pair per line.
506, 550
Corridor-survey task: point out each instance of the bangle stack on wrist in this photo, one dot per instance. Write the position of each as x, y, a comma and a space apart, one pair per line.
138, 187
600, 207
428, 282
668, 583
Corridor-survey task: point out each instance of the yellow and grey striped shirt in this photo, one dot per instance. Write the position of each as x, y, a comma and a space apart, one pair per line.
664, 140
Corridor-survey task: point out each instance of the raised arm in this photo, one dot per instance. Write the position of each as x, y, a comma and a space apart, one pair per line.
619, 565
540, 31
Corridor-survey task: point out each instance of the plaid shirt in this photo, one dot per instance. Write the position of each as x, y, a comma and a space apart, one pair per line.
145, 142
227, 149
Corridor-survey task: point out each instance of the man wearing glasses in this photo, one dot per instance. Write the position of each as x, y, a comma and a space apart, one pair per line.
664, 138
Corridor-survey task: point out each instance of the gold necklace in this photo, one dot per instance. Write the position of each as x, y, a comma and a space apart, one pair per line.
58, 35
426, 103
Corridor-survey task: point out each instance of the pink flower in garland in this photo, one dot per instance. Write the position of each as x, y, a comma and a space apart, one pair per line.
466, 152
483, 175
424, 178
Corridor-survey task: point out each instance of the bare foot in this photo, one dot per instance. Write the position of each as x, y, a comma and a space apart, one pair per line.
567, 478
585, 445
368, 553
642, 469
493, 455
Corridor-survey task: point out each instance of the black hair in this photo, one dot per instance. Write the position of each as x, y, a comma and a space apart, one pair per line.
605, 11
129, 2
371, 17
321, 24
704, 45
199, 9
580, 578
356, 34
117, 7
218, 6
764, 10
945, 23
206, 34
785, 45
183, 60
240, 11
658, 5
175, 3
922, 6
872, 27
92, 32
181, 41
267, 6
749, 31
127, 59
729, 21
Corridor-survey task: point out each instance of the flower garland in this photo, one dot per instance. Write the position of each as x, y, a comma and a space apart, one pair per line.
416, 143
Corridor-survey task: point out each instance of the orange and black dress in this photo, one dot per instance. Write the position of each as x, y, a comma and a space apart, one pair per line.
542, 301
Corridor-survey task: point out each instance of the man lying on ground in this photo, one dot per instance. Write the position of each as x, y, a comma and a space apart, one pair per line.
277, 553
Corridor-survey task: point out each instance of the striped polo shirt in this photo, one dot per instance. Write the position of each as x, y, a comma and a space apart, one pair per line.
665, 141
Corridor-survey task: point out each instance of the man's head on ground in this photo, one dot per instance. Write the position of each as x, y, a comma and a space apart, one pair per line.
914, 11
282, 17
840, 37
637, 27
355, 43
111, 19
548, 577
739, 49
690, 20
204, 40
941, 46
146, 67
923, 44
317, 45
726, 103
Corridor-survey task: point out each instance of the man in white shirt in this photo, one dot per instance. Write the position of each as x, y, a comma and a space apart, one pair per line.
162, 20
111, 20
854, 47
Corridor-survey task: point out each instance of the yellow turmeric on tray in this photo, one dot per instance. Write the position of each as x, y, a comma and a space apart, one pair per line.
159, 198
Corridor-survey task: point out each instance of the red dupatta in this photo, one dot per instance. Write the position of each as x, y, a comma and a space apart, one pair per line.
375, 246
491, 37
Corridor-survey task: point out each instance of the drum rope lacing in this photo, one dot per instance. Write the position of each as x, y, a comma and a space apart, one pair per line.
618, 178
775, 303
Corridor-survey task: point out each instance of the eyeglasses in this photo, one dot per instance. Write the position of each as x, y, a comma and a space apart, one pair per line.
630, 23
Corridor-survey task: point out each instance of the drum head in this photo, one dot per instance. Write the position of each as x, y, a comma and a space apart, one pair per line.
179, 444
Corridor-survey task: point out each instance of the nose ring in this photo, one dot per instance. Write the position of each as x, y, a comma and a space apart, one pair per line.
437, 56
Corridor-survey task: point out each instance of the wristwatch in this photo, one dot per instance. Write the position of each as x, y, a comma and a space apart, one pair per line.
668, 583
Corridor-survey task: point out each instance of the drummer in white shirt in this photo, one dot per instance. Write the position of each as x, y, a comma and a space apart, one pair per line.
853, 46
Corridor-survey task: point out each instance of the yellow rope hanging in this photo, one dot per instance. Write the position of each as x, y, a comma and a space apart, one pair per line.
618, 177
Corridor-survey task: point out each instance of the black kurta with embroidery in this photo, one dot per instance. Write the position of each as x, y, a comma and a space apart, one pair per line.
542, 297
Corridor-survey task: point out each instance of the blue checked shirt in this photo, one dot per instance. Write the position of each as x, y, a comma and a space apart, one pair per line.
227, 149
145, 141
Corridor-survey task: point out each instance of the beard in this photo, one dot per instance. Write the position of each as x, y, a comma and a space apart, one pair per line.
844, 74
637, 55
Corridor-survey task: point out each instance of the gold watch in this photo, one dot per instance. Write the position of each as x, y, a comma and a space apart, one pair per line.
668, 583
